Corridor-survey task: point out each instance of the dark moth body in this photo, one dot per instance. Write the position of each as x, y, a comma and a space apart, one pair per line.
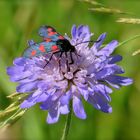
65, 45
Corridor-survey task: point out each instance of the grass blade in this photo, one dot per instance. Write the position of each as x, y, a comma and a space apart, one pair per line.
92, 2
129, 20
107, 10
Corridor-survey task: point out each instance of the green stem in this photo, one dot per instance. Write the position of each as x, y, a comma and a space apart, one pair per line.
67, 124
132, 38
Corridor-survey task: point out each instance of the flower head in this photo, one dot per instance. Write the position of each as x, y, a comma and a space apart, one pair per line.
90, 77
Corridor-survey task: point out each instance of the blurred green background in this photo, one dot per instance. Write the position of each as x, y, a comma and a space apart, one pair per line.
19, 22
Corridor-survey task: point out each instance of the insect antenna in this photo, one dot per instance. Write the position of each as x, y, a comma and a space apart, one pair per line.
88, 41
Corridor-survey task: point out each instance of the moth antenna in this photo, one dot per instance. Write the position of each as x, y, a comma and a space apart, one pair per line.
89, 41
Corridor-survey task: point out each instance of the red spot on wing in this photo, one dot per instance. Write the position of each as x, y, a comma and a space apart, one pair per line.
54, 48
33, 52
49, 29
52, 33
61, 37
47, 39
42, 48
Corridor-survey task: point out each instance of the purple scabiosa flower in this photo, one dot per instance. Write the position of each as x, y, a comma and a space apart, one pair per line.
90, 77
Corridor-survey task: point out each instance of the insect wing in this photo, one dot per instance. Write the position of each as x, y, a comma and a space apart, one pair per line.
49, 34
32, 51
41, 49
49, 47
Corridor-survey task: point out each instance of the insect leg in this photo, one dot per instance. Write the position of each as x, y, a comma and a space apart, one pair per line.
67, 62
60, 59
77, 54
47, 61
72, 61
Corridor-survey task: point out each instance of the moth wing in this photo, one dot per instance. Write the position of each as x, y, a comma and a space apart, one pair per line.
49, 34
51, 47
32, 51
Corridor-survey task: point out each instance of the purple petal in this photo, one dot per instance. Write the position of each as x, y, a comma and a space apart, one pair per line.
115, 59
73, 31
65, 98
84, 92
27, 87
47, 104
15, 70
20, 61
42, 98
99, 102
85, 32
99, 42
113, 85
26, 104
57, 95
119, 80
79, 30
30, 78
78, 108
30, 101
109, 70
103, 90
109, 48
64, 109
17, 73
53, 115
